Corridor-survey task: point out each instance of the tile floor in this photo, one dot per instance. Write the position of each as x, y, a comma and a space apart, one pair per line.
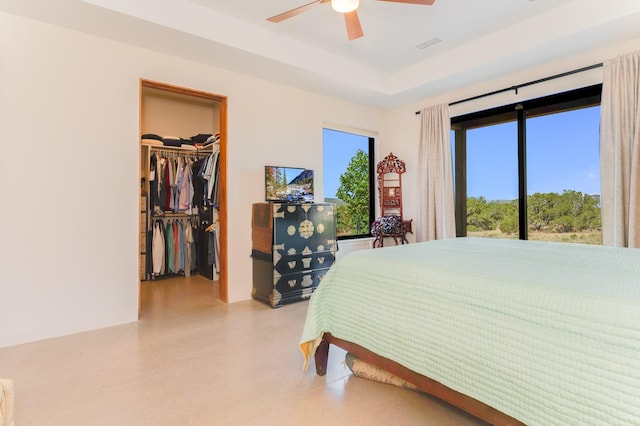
192, 360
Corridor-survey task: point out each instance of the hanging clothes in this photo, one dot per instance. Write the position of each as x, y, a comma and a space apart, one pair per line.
187, 242
215, 197
213, 249
176, 247
158, 248
186, 188
198, 182
173, 247
170, 247
172, 184
183, 183
181, 244
163, 185
153, 182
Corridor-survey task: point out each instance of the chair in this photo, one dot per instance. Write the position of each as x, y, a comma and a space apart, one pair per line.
391, 222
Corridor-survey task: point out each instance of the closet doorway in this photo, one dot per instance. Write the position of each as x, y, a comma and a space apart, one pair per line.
183, 197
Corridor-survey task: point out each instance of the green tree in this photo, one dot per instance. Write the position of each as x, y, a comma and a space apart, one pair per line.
542, 209
354, 191
343, 221
510, 221
582, 208
481, 215
589, 217
571, 211
509, 225
564, 223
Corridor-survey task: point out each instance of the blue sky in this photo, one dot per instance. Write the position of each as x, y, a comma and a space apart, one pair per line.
562, 153
338, 150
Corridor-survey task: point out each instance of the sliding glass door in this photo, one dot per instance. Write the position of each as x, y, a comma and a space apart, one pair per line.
531, 170
492, 181
563, 176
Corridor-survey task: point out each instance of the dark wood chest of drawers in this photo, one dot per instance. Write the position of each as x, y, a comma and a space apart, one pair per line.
294, 245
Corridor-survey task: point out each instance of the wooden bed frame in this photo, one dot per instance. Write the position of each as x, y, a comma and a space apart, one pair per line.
430, 386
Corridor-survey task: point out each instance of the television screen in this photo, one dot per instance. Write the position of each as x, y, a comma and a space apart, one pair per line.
288, 184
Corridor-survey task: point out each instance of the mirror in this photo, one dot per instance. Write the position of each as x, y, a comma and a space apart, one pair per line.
391, 223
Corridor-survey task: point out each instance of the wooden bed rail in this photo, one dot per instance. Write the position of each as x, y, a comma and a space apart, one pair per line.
427, 385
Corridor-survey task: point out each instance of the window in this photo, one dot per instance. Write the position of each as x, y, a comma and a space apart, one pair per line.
563, 169
531, 170
492, 180
348, 180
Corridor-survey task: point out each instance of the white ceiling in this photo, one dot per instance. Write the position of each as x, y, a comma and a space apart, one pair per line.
392, 30
481, 39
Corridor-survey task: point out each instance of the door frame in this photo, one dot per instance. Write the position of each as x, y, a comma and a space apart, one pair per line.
222, 162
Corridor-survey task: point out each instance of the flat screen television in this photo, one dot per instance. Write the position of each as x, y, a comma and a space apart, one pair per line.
288, 184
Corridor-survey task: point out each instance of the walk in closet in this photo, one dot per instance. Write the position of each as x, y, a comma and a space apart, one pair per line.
182, 187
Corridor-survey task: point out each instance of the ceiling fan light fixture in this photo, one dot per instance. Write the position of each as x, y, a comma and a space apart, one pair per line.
345, 6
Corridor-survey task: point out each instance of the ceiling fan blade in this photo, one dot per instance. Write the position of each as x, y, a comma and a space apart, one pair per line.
354, 29
422, 2
294, 12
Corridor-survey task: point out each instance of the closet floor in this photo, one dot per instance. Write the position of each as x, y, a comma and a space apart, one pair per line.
195, 361
177, 295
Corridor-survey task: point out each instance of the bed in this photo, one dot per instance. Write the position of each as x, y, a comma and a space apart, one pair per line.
513, 332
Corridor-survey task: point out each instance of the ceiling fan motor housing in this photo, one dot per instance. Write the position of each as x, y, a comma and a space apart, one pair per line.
345, 6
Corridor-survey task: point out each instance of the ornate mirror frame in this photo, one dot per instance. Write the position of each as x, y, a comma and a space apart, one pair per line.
391, 222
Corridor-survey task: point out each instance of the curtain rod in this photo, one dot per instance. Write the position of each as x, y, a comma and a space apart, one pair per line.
530, 83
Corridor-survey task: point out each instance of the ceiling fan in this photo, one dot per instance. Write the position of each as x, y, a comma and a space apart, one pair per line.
347, 7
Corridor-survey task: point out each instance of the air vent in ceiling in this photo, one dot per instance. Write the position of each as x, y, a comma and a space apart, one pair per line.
428, 43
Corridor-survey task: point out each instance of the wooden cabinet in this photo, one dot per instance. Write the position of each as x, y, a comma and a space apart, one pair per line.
294, 246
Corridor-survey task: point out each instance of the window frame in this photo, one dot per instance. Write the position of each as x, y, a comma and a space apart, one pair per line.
566, 101
372, 180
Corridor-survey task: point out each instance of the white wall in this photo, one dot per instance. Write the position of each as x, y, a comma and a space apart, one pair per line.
403, 125
69, 110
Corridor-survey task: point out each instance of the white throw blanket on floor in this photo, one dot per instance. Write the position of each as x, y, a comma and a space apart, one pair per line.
6, 402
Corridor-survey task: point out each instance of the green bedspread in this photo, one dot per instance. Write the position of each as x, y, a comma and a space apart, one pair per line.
548, 333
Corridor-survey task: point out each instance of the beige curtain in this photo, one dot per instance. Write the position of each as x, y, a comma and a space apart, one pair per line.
620, 151
435, 176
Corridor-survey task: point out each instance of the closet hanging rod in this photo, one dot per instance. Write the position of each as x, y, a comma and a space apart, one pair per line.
174, 215
529, 83
163, 151
176, 149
